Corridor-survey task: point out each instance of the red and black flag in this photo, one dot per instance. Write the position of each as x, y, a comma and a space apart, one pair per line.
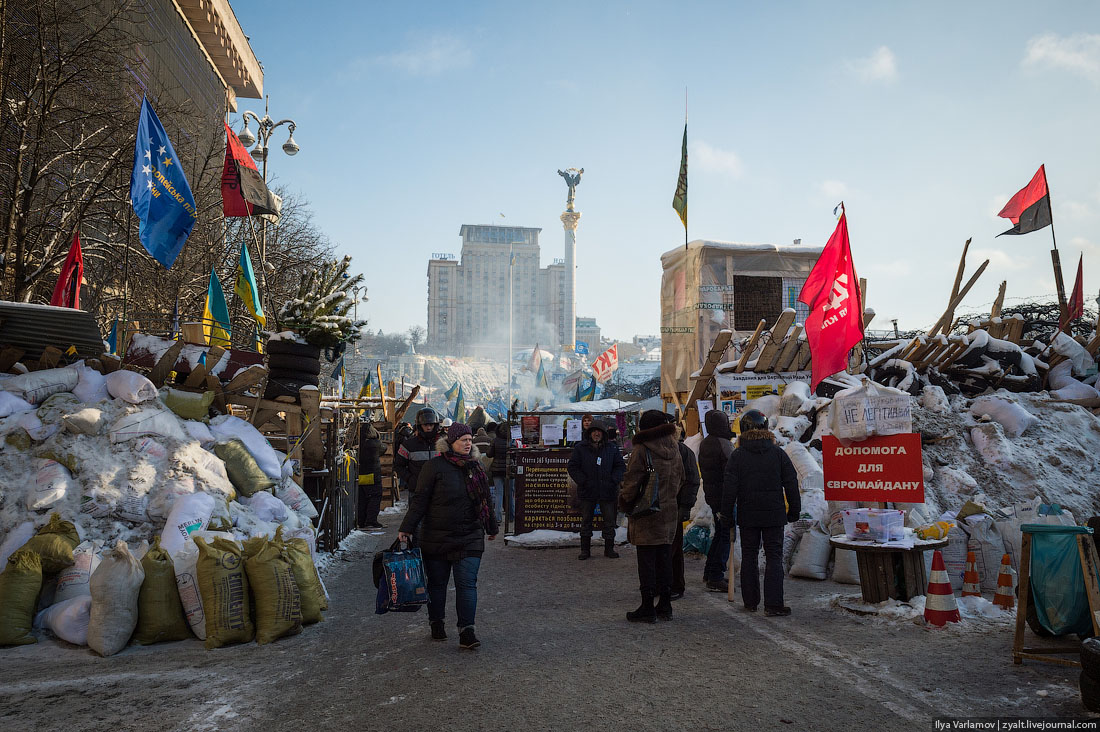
66, 293
1029, 209
244, 192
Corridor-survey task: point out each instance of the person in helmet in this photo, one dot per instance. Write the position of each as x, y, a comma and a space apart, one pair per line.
760, 488
418, 449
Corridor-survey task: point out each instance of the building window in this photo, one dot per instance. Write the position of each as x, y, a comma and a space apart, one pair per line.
756, 299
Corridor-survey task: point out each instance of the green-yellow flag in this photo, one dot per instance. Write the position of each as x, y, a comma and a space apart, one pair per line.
680, 199
246, 288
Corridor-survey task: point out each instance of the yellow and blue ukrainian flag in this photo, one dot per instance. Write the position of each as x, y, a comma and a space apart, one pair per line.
216, 326
246, 288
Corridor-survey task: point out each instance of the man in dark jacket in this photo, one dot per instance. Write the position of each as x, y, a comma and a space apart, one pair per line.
714, 453
597, 467
401, 432
418, 449
370, 476
761, 485
685, 501
498, 451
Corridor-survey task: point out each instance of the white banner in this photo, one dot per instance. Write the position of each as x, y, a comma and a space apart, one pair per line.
734, 390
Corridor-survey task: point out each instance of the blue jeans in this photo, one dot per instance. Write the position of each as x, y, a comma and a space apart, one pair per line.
439, 573
718, 556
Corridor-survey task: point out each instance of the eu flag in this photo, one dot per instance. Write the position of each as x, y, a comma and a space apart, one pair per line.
159, 192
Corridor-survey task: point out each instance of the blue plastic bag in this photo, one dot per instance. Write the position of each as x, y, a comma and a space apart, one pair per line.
697, 539
1057, 580
403, 587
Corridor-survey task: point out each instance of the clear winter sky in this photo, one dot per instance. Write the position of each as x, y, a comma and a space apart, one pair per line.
925, 117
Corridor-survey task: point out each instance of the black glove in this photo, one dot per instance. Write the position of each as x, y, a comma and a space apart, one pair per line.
685, 513
792, 517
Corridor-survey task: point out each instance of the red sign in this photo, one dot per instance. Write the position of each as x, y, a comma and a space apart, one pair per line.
885, 468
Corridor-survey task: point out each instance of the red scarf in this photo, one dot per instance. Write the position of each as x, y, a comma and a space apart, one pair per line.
477, 484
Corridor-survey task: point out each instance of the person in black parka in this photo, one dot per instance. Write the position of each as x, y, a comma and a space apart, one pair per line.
415, 451
498, 451
714, 453
370, 476
685, 501
597, 467
452, 505
761, 485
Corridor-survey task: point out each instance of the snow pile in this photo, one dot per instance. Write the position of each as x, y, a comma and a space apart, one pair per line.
978, 614
545, 538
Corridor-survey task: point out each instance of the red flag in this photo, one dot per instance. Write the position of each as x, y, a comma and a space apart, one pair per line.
244, 192
1077, 297
605, 363
1029, 209
66, 293
835, 324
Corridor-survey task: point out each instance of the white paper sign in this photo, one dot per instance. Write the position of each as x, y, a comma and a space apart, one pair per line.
517, 432
573, 432
704, 406
871, 410
551, 434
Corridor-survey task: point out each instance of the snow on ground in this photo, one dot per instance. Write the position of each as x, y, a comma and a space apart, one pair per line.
977, 614
545, 539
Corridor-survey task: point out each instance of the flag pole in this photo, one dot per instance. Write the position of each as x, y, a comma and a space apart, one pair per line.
1055, 259
126, 278
685, 134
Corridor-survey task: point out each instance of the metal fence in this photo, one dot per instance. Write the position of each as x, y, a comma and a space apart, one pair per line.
338, 502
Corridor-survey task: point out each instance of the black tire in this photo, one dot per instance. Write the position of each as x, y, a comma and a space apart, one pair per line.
283, 388
291, 348
304, 378
1090, 692
286, 362
1090, 658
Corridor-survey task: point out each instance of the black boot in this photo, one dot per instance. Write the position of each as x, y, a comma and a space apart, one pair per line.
609, 547
438, 633
586, 547
664, 607
644, 613
467, 639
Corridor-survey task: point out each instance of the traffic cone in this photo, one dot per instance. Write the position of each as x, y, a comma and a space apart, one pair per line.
1004, 598
939, 602
972, 583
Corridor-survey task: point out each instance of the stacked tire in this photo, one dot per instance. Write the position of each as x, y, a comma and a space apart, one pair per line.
1090, 674
291, 366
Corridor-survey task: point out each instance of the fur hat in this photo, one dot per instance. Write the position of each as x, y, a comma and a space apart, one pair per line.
457, 431
652, 418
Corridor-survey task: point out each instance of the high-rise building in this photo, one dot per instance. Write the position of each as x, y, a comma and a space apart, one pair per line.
468, 297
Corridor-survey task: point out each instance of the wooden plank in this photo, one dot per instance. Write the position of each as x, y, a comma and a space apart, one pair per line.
50, 358
954, 289
804, 356
750, 347
935, 353
294, 429
313, 448
400, 411
1090, 564
770, 350
721, 342
9, 356
212, 384
790, 350
198, 375
947, 318
995, 312
1024, 586
192, 333
165, 364
245, 380
387, 408
242, 401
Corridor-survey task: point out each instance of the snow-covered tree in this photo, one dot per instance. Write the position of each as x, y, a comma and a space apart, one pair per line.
320, 312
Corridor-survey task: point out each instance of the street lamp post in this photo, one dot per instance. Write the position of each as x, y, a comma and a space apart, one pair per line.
511, 261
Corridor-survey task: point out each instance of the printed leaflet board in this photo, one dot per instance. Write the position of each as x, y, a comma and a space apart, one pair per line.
734, 390
884, 468
541, 492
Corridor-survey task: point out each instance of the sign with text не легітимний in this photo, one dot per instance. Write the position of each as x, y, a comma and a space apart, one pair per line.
884, 468
542, 492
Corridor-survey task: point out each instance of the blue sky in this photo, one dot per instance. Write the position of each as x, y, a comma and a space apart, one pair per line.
416, 118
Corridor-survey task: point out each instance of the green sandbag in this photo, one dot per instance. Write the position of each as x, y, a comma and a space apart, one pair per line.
20, 584
244, 473
54, 544
187, 404
276, 601
223, 587
312, 597
160, 612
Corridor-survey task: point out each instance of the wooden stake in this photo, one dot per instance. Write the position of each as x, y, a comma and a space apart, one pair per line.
750, 347
947, 318
996, 311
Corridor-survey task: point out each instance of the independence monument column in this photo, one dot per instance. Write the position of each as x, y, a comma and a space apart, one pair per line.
569, 219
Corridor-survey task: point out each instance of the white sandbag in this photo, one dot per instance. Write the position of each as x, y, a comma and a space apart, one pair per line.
790, 545
266, 507
73, 581
227, 427
130, 386
293, 496
68, 619
15, 539
52, 482
91, 386
804, 463
248, 524
934, 399
86, 421
811, 559
149, 447
1077, 354
845, 567
36, 386
11, 404
190, 513
151, 421
200, 432
954, 556
768, 404
185, 564
1011, 416
38, 431
991, 443
115, 586
163, 496
988, 548
870, 409
795, 394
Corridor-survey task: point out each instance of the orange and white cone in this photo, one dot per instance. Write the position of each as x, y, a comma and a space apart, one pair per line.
1005, 599
972, 583
939, 602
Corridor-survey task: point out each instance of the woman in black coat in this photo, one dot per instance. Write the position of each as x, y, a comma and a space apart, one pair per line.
597, 467
452, 505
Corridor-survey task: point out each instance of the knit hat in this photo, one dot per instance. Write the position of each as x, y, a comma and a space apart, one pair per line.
457, 431
652, 418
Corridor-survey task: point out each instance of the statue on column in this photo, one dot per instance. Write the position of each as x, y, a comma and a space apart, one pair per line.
572, 178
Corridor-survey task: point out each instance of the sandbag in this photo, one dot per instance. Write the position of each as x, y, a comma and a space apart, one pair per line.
295, 498
36, 386
152, 421
267, 507
1012, 417
224, 589
243, 471
11, 404
14, 540
954, 556
35, 428
54, 544
115, 586
845, 567
988, 549
160, 612
51, 484
811, 559
91, 386
189, 514
188, 404
227, 427
810, 476
73, 582
185, 565
311, 595
20, 583
68, 620
277, 602
200, 433
130, 386
795, 394
86, 421
163, 496
248, 524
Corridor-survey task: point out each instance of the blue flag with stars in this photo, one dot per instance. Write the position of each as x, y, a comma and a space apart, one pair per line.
159, 191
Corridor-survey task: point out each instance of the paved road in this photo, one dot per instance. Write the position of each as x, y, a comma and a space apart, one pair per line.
557, 654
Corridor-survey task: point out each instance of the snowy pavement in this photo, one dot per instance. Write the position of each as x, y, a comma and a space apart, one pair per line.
557, 654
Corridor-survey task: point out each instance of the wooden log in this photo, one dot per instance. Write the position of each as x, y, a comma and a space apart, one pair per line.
165, 364
245, 380
950, 314
1014, 331
313, 448
946, 318
790, 350
400, 411
995, 312
50, 358
804, 356
770, 351
9, 356
750, 347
